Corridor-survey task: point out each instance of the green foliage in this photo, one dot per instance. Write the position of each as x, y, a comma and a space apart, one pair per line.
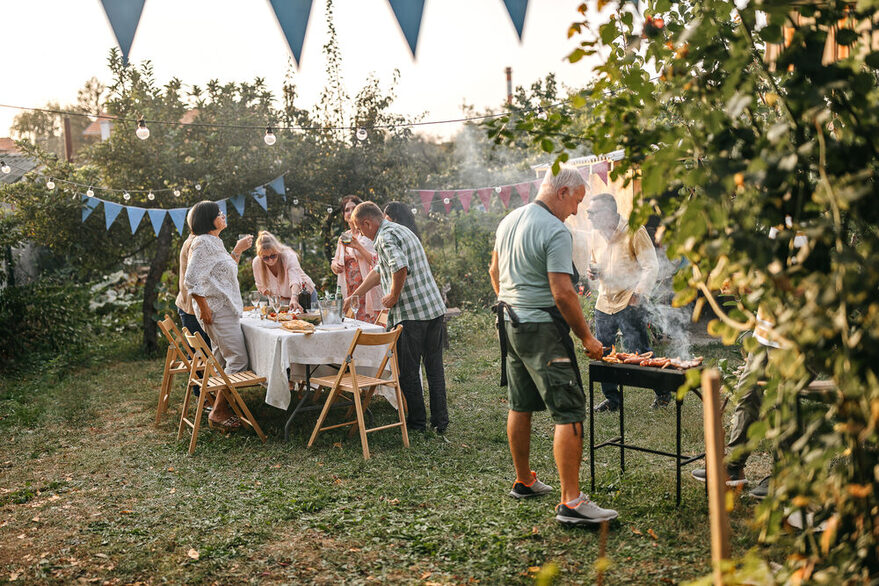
727, 147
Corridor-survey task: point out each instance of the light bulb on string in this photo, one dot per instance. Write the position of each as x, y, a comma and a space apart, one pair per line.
414, 211
295, 201
142, 131
176, 193
270, 137
50, 184
541, 114
151, 196
198, 186
329, 210
447, 201
498, 189
126, 196
361, 133
5, 168
90, 192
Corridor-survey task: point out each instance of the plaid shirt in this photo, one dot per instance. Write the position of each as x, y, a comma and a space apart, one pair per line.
420, 299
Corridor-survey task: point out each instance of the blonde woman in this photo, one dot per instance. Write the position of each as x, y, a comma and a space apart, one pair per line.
355, 257
276, 270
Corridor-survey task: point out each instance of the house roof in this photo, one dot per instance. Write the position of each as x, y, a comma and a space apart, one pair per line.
7, 145
19, 164
94, 129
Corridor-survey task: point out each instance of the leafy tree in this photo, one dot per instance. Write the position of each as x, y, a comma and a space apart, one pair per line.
729, 146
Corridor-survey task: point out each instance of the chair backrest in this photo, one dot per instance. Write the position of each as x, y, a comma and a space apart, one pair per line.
204, 358
176, 341
382, 318
388, 339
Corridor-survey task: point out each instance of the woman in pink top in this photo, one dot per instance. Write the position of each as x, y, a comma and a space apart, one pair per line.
277, 271
355, 257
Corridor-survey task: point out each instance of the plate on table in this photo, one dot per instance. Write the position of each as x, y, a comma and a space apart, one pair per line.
266, 323
330, 327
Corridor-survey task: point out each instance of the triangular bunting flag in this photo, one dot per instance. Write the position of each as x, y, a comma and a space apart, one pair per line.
135, 215
426, 199
123, 16
278, 186
408, 13
178, 216
517, 9
585, 171
446, 197
222, 204
537, 183
238, 202
504, 194
157, 217
259, 194
90, 204
292, 16
111, 211
524, 190
464, 197
485, 196
601, 170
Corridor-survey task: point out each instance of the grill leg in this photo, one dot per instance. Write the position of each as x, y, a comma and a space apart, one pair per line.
305, 397
678, 405
622, 432
591, 435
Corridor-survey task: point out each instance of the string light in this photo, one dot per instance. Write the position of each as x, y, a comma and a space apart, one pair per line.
198, 186
541, 114
142, 131
176, 193
361, 133
498, 189
329, 210
90, 192
296, 201
126, 196
270, 137
50, 184
447, 201
151, 196
5, 168
414, 211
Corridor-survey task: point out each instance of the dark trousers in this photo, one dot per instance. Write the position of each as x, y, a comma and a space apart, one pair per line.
190, 322
631, 324
422, 341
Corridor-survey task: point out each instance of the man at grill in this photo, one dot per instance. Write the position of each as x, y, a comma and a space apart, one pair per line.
625, 266
532, 273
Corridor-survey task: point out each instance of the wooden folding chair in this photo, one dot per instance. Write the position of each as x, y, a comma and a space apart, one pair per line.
178, 360
362, 387
382, 318
205, 371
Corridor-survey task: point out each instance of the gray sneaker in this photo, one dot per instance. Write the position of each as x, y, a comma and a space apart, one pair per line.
584, 511
535, 488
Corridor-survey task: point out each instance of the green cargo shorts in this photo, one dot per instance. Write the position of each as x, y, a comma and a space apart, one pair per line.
540, 374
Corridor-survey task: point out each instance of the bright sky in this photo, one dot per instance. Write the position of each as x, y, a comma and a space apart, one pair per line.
53, 46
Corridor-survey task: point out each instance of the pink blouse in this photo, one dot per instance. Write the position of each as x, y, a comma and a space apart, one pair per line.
288, 282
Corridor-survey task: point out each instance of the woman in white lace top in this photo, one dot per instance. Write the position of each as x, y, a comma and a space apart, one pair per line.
212, 281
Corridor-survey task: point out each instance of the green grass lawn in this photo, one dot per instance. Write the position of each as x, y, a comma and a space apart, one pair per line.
91, 490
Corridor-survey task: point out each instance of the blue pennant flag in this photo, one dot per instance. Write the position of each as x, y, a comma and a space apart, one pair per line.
408, 13
278, 186
123, 16
111, 211
178, 216
259, 194
292, 16
135, 215
157, 217
90, 204
517, 9
238, 202
222, 204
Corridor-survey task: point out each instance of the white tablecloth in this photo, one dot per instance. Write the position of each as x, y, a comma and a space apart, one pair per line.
272, 350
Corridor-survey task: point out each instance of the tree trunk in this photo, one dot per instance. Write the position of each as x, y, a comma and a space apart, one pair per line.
158, 264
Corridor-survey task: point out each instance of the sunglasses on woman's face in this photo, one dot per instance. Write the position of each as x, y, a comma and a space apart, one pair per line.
269, 257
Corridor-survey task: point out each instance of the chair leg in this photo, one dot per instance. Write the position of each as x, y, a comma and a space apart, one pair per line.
322, 416
187, 398
165, 389
361, 424
196, 421
244, 413
402, 415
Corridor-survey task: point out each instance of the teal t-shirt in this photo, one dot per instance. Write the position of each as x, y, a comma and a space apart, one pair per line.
531, 242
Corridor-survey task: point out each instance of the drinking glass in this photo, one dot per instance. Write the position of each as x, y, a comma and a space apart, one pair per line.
263, 307
254, 301
275, 300
355, 304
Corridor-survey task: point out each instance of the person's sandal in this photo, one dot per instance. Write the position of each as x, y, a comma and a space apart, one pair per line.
228, 425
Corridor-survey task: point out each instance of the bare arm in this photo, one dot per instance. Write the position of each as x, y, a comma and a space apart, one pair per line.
397, 281
371, 280
494, 272
566, 300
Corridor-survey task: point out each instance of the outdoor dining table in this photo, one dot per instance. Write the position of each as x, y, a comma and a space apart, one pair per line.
272, 350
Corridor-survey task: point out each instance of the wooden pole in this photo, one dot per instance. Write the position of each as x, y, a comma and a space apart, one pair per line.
716, 472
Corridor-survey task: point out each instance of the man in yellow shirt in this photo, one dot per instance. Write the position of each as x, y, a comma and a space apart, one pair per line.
626, 267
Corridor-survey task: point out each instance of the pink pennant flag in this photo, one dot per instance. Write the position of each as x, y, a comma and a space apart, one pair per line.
524, 190
447, 196
601, 170
464, 197
426, 199
485, 196
505, 193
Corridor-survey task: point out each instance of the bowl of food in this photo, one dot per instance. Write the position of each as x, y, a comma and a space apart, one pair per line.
310, 317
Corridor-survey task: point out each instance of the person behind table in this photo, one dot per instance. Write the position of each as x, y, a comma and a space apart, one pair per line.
354, 259
532, 273
212, 281
276, 271
415, 302
400, 213
626, 271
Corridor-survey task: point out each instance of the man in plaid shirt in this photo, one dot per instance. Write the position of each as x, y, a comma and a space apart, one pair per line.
415, 302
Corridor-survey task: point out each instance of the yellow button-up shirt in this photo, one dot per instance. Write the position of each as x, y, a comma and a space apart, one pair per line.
627, 264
